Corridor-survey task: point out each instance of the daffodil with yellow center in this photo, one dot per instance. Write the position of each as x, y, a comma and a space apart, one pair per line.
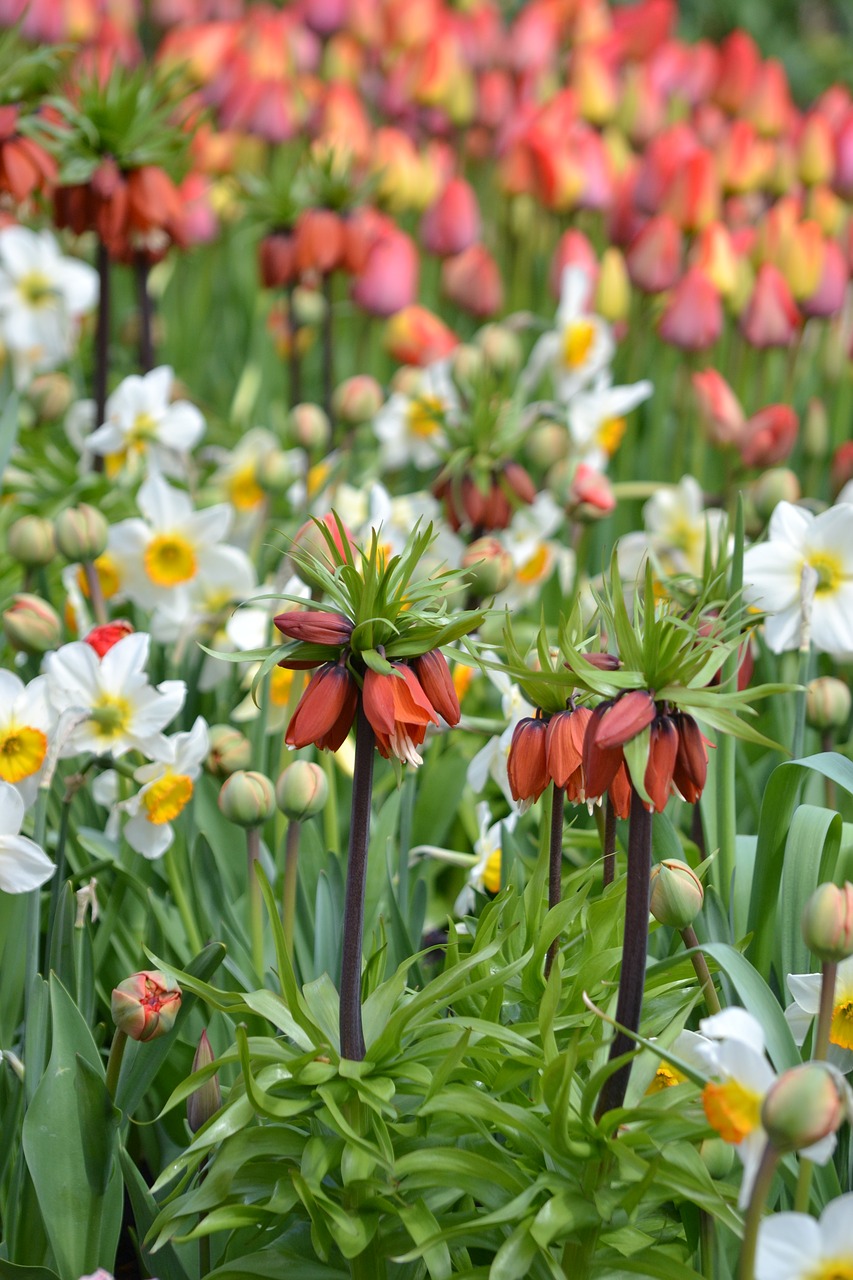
578, 337
537, 567
170, 560
806, 989
598, 418
425, 416
610, 434
167, 797
144, 422
796, 1246
830, 572
732, 1109
22, 751
243, 489
110, 717
37, 290
834, 1269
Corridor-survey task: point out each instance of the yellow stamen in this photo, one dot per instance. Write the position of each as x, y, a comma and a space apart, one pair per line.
830, 572
683, 535
22, 751
841, 1030
578, 338
114, 464
36, 289
424, 416
244, 491
664, 1078
110, 716
170, 560
732, 1109
166, 797
492, 873
833, 1269
609, 434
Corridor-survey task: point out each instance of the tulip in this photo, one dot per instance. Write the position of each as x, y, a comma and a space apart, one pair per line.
204, 1102
769, 436
31, 625
828, 703
246, 798
827, 922
527, 769
31, 541
828, 297
719, 407
146, 1005
326, 710
302, 790
801, 259
471, 280
714, 253
769, 106
388, 283
357, 400
804, 1105
677, 894
693, 319
816, 151
591, 494
488, 565
230, 750
693, 194
314, 626
613, 294
770, 318
453, 222
654, 258
740, 62
574, 249
81, 532
309, 427
102, 638
399, 711
844, 157
436, 681
417, 336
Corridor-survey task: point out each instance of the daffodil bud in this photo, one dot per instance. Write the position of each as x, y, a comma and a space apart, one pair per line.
31, 542
309, 427
500, 347
357, 400
772, 487
489, 567
302, 790
677, 894
827, 703
803, 1105
230, 750
827, 922
31, 625
247, 798
81, 532
205, 1101
146, 1005
718, 1157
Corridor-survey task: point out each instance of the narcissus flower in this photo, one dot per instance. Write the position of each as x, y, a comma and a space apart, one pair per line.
143, 423
410, 427
25, 723
580, 345
42, 296
167, 789
806, 988
23, 865
793, 1246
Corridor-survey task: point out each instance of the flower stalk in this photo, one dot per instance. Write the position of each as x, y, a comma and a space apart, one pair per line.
256, 915
146, 335
760, 1191
352, 1033
555, 866
820, 1049
629, 1003
291, 867
700, 968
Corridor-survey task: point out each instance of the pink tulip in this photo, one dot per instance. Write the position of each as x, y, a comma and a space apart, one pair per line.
471, 280
573, 250
453, 222
389, 280
693, 319
770, 318
769, 436
719, 407
654, 258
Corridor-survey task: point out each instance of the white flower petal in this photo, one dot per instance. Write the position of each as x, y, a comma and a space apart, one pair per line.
23, 865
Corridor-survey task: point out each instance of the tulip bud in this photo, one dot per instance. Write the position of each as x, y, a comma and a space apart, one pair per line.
467, 364
772, 487
31, 542
827, 703
302, 790
230, 750
613, 295
357, 400
489, 567
500, 347
676, 894
815, 435
247, 798
827, 922
205, 1101
718, 1157
276, 472
803, 1105
309, 427
146, 1005
548, 442
31, 625
51, 395
81, 533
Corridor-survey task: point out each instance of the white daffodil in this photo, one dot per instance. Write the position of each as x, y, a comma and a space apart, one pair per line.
238, 476
597, 418
490, 760
172, 559
167, 790
577, 348
42, 296
535, 553
25, 722
23, 865
485, 874
410, 427
144, 426
793, 1246
678, 526
125, 712
806, 988
807, 560
394, 518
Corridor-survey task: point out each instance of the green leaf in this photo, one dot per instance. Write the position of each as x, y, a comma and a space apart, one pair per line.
760, 1001
811, 854
8, 1271
99, 1118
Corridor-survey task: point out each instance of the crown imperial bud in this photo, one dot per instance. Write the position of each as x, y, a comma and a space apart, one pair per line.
146, 1005
677, 894
302, 790
827, 922
247, 798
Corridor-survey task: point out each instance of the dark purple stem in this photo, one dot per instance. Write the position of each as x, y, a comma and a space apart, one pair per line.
629, 1004
352, 1034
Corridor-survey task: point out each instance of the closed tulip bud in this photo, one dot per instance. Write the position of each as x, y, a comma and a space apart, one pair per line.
501, 348
827, 922
388, 281
613, 295
827, 703
229, 751
247, 798
471, 280
676, 894
309, 427
31, 542
548, 443
815, 436
51, 395
772, 487
718, 1157
489, 567
357, 400
146, 1005
31, 625
803, 1105
654, 258
721, 411
301, 791
467, 365
108, 634
204, 1102
770, 318
693, 319
309, 307
816, 151
453, 222
277, 472
769, 436
81, 533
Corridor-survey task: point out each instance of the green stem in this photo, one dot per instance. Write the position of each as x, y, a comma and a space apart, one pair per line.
555, 866
700, 966
723, 868
707, 1243
800, 703
352, 1033
114, 1061
33, 900
256, 909
291, 868
760, 1192
179, 893
331, 827
608, 874
820, 1049
96, 595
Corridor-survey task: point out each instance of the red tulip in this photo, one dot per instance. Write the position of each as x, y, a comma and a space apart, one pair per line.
693, 319
770, 318
654, 258
453, 222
